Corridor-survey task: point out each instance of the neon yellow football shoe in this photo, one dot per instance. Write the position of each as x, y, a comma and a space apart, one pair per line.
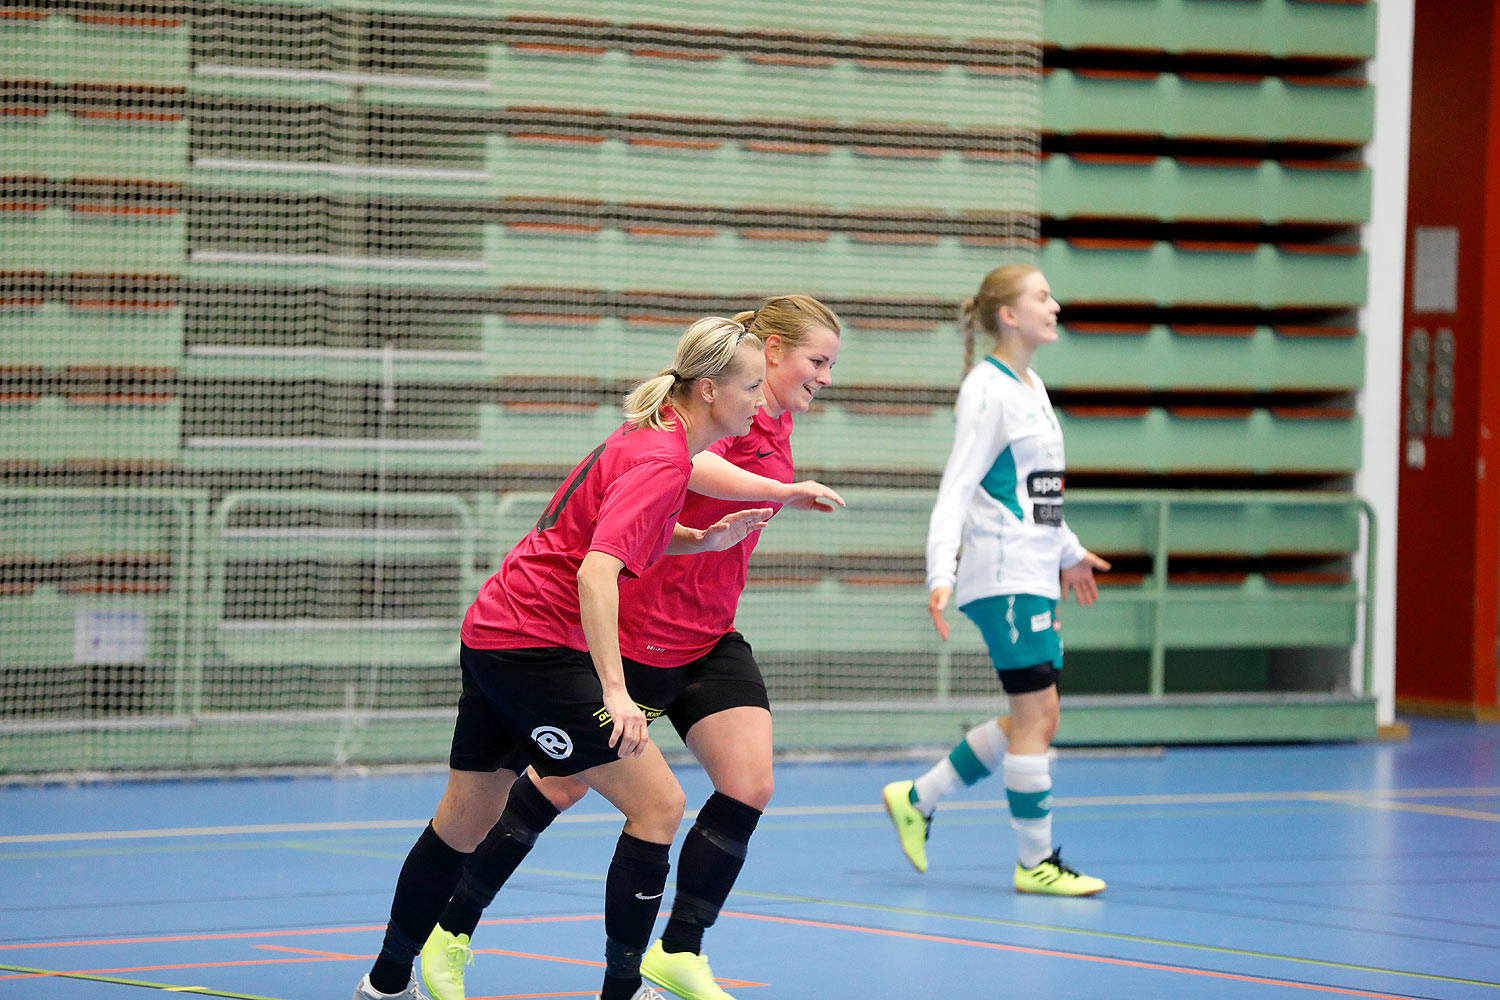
911, 826
682, 972
443, 959
1054, 878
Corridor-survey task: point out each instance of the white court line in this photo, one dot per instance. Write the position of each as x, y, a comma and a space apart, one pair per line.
1363, 797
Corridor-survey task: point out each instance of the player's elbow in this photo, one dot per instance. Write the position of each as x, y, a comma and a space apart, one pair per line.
596, 574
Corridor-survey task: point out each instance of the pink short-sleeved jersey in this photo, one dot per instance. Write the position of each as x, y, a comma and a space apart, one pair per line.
623, 500
681, 606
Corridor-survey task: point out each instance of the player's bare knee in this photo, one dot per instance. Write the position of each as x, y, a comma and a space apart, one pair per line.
657, 818
562, 793
754, 789
463, 824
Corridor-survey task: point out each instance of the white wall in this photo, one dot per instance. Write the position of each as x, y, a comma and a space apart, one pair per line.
1381, 320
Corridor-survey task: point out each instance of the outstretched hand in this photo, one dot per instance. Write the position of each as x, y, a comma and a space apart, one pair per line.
732, 528
1080, 578
812, 495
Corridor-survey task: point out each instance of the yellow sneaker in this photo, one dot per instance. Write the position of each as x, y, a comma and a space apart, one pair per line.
911, 826
443, 959
1053, 878
682, 972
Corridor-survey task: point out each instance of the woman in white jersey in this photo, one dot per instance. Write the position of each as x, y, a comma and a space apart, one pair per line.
998, 547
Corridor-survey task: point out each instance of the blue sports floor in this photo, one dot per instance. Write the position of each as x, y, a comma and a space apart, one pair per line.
1366, 870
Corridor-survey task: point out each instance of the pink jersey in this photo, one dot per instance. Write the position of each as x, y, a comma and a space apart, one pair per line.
681, 606
623, 500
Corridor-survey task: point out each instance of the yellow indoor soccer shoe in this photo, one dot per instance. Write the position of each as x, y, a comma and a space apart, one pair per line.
1053, 878
911, 826
682, 972
443, 959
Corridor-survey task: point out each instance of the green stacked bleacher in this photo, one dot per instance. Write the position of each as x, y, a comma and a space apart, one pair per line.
338, 286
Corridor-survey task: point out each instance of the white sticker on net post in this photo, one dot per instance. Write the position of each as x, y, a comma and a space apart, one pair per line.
109, 636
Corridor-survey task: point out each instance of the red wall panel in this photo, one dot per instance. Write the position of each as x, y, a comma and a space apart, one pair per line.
1449, 536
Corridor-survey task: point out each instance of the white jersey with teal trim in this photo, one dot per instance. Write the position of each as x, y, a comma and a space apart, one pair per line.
997, 526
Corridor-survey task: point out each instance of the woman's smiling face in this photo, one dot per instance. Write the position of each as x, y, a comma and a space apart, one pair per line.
795, 374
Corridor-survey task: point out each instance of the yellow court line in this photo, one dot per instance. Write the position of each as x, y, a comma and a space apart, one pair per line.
206, 991
1343, 795
1389, 805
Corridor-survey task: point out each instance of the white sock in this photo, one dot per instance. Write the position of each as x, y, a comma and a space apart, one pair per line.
974, 758
940, 781
1028, 787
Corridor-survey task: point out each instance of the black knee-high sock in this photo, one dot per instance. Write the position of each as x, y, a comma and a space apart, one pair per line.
422, 889
713, 852
527, 813
632, 898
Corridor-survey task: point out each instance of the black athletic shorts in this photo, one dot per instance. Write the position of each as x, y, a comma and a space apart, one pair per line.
726, 676
1024, 680
546, 704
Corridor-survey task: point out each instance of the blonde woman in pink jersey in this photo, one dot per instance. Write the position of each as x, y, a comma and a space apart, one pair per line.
544, 679
680, 615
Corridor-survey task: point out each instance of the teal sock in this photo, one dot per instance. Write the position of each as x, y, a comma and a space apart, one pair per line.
976, 757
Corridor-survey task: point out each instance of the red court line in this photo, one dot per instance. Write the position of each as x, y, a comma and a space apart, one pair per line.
309, 951
540, 958
1049, 953
294, 932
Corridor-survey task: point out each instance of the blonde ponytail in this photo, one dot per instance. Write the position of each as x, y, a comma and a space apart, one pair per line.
647, 399
968, 322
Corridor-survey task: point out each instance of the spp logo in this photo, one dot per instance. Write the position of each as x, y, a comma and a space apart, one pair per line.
1045, 484
553, 741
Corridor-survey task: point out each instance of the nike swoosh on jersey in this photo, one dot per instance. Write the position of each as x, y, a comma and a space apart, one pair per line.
764, 454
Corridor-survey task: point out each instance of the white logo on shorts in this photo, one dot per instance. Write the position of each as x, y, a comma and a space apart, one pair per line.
554, 742
1041, 622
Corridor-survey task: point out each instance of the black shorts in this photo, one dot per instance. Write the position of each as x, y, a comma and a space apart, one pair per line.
545, 707
726, 676
1024, 680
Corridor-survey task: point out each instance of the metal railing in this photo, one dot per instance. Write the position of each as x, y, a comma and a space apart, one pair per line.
477, 531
